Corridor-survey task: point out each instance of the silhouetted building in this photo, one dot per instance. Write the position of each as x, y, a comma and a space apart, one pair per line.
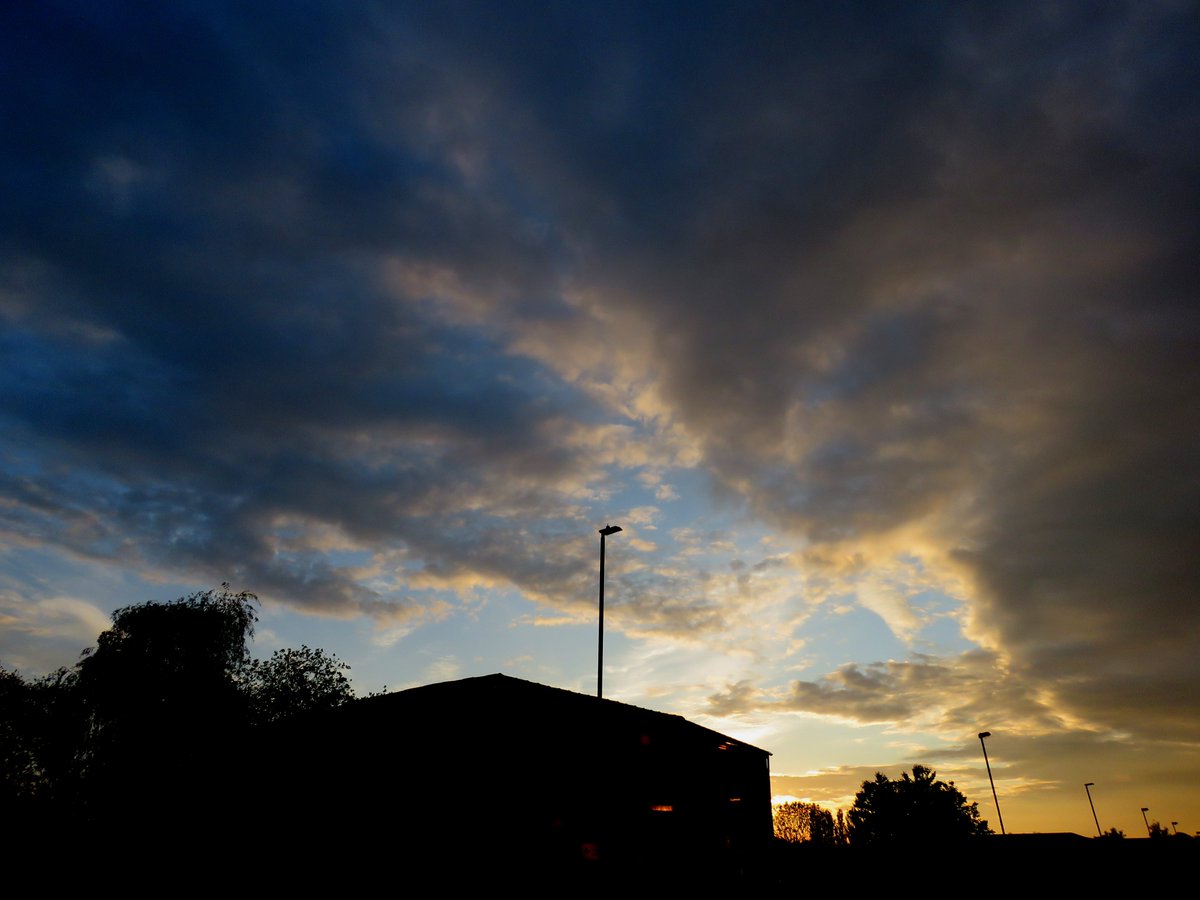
508, 773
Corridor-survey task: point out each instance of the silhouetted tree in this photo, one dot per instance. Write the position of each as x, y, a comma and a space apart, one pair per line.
20, 772
1114, 834
294, 681
1159, 831
911, 809
841, 830
799, 822
151, 726
41, 730
163, 662
163, 703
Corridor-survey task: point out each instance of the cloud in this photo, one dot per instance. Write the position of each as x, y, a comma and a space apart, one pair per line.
287, 300
973, 338
950, 697
734, 699
832, 789
254, 368
40, 635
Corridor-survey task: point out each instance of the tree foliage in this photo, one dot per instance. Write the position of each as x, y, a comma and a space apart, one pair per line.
41, 728
182, 656
1159, 831
799, 822
151, 721
912, 808
20, 772
295, 681
162, 706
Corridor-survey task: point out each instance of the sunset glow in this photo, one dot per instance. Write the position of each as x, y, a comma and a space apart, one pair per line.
873, 326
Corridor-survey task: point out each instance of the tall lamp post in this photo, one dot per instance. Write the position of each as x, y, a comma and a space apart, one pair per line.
995, 799
1146, 809
1088, 787
604, 532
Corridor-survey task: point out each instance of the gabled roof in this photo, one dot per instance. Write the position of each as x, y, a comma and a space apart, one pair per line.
496, 774
526, 710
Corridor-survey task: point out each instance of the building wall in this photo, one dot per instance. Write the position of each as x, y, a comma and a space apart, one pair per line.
508, 772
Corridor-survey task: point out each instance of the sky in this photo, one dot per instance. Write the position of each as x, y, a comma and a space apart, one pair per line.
874, 326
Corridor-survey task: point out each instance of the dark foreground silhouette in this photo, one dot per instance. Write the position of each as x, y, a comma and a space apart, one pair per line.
526, 778
167, 759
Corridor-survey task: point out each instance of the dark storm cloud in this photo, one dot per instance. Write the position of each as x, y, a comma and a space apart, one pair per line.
950, 696
952, 283
197, 341
920, 270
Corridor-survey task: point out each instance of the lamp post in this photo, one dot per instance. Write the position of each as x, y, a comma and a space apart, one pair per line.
1088, 787
604, 532
1146, 809
1175, 827
995, 799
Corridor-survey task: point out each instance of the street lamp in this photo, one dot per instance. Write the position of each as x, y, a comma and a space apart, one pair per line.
1088, 787
995, 799
604, 532
1146, 809
1175, 827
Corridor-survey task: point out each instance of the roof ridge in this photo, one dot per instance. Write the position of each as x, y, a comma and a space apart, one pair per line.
500, 677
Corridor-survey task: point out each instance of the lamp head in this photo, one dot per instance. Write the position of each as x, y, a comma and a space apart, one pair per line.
1090, 784
984, 734
610, 529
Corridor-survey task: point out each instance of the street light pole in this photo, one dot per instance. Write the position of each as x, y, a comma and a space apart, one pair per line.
604, 532
1146, 809
1088, 787
995, 799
